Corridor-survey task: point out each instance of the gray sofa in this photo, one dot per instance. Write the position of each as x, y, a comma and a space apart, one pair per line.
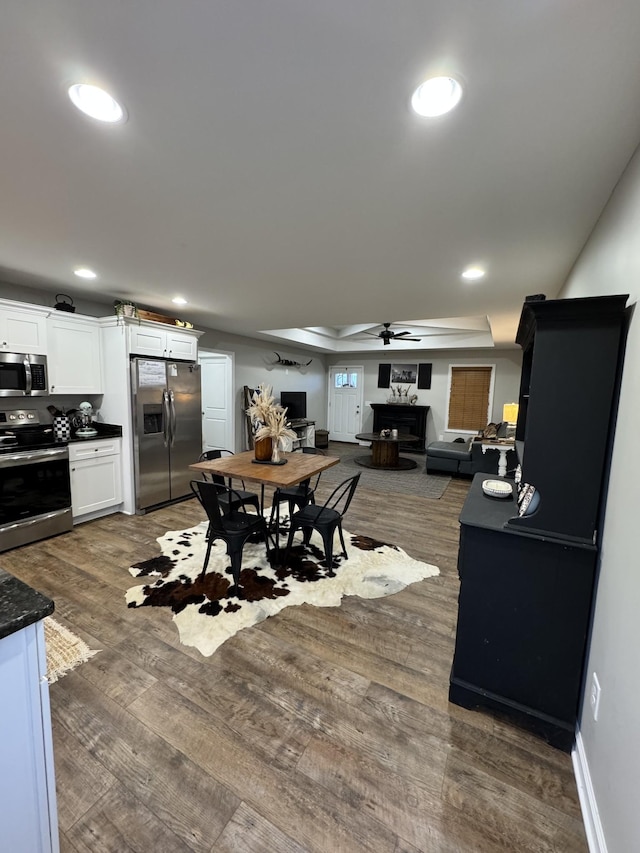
464, 457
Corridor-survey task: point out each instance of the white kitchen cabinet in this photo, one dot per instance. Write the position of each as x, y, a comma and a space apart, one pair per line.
23, 329
96, 477
75, 358
168, 342
28, 816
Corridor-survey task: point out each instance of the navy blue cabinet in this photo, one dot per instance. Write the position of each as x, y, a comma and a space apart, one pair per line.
527, 583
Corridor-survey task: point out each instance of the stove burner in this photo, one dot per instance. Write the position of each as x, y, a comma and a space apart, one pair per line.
22, 428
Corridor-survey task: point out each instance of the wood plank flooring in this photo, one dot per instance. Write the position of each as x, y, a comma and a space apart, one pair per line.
321, 729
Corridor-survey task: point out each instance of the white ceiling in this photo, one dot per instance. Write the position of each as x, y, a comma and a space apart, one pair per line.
272, 172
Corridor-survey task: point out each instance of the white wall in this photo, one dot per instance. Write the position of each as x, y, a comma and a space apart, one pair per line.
610, 264
22, 293
508, 364
254, 364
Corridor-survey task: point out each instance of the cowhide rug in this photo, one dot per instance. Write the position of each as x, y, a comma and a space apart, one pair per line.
210, 610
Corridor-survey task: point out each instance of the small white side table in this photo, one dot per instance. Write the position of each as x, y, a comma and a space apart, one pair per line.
502, 450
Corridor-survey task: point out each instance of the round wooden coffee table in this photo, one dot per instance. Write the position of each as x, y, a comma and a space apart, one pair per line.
384, 452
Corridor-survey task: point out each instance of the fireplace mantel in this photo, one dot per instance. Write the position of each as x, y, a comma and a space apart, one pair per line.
408, 419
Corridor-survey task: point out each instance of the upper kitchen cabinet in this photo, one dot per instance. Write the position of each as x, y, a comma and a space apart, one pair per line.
23, 328
571, 351
154, 340
75, 360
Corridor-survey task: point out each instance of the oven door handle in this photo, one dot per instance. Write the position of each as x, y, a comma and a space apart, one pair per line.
27, 522
28, 380
32, 457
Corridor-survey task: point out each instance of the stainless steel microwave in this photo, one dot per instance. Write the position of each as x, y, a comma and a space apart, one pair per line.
23, 375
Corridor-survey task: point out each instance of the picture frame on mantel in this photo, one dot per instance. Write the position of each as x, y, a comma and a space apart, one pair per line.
423, 375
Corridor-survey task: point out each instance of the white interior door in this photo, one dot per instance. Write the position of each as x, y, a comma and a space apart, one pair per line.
217, 400
345, 402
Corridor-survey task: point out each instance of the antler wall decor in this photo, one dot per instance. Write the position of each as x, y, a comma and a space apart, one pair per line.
287, 362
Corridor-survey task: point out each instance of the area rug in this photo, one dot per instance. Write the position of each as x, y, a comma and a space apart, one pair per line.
209, 611
413, 482
65, 651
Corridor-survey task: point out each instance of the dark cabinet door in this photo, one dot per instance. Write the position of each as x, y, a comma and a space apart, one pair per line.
567, 408
523, 618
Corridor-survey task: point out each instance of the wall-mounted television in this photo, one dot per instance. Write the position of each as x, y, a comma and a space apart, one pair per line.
295, 402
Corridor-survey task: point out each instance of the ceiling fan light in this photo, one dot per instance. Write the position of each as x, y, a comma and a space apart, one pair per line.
387, 335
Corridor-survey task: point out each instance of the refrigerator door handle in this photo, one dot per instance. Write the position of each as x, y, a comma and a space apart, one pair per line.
166, 418
172, 406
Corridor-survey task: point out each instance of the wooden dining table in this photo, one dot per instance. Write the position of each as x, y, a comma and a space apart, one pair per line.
243, 466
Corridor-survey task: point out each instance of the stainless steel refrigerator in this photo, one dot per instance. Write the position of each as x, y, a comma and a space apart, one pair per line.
167, 428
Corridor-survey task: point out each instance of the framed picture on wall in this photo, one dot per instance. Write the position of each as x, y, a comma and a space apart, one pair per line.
384, 375
404, 373
424, 375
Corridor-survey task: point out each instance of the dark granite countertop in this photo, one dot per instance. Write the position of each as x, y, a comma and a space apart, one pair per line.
104, 431
20, 605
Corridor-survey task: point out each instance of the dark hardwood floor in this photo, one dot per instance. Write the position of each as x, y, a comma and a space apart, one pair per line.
321, 729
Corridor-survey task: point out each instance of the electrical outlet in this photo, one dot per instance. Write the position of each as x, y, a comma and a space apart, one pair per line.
594, 696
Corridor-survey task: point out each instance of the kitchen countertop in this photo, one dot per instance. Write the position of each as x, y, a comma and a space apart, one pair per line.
20, 605
104, 431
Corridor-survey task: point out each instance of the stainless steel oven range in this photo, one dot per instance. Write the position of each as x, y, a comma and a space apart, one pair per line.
35, 490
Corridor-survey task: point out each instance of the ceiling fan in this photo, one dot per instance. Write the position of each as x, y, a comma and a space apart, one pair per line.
386, 335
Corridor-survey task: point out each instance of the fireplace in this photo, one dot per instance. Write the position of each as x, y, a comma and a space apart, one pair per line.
407, 419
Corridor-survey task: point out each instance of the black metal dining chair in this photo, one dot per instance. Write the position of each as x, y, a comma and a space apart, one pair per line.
294, 496
233, 526
325, 519
240, 497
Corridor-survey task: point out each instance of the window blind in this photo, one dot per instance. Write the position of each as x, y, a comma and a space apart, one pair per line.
469, 398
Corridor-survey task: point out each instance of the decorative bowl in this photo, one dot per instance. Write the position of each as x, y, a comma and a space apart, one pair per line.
497, 488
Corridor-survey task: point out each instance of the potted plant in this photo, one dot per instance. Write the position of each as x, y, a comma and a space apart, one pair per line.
269, 424
125, 308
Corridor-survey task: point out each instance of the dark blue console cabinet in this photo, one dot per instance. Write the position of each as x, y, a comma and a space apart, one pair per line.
527, 584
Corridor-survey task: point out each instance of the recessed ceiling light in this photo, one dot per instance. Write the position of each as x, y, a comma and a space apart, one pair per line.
436, 96
96, 103
179, 300
473, 273
85, 272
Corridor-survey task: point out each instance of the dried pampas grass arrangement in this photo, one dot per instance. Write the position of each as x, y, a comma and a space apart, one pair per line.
269, 419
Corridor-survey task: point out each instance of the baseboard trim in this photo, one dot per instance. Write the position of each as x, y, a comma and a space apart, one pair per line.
588, 804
